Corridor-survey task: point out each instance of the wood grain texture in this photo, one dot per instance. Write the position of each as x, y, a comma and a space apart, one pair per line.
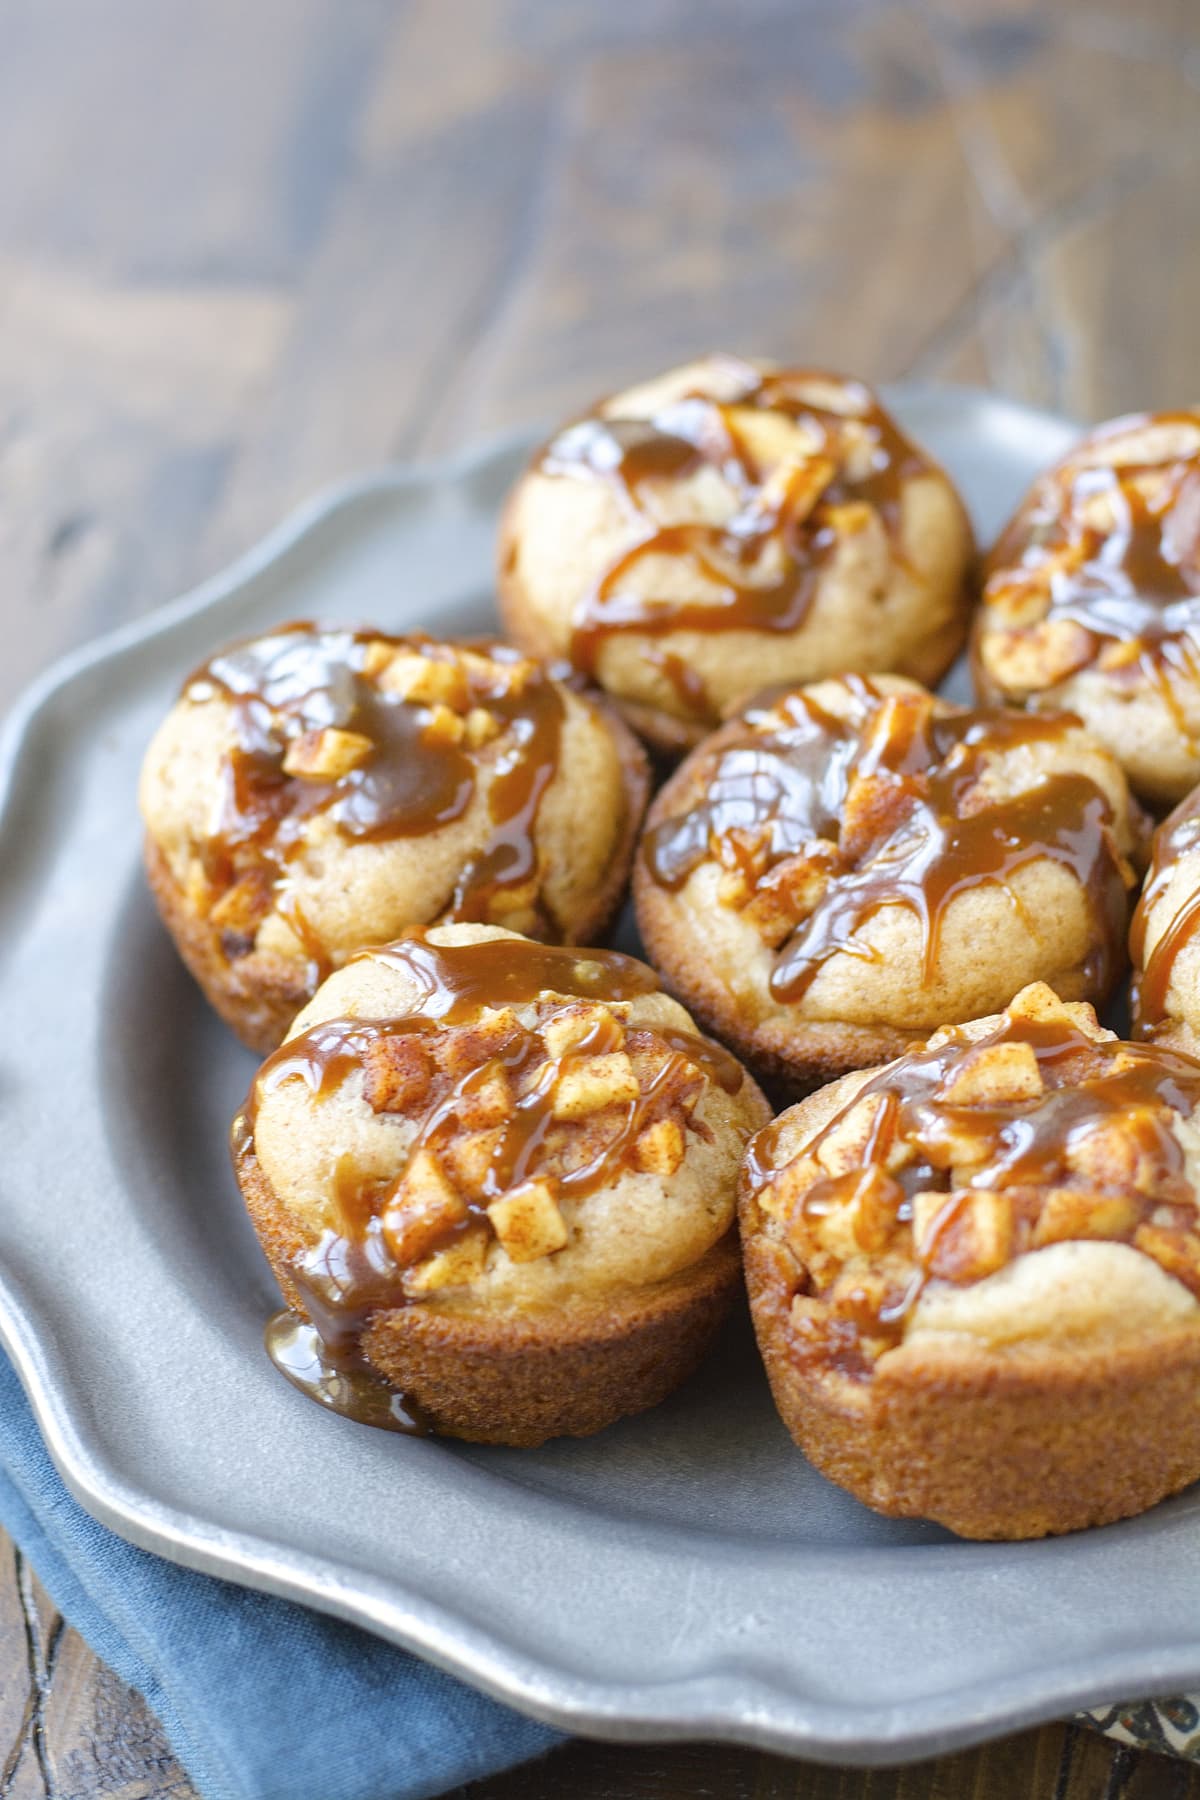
1061, 1762
245, 250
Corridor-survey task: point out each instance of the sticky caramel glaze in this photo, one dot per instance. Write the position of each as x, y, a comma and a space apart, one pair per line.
929, 843
1178, 834
695, 431
345, 1386
350, 1274
690, 687
457, 980
1137, 583
303, 679
1025, 1145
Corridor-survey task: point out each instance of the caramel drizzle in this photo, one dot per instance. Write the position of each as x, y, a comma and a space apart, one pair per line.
790, 780
457, 980
685, 436
1091, 1085
350, 1274
1138, 582
303, 679
691, 689
301, 1355
1178, 834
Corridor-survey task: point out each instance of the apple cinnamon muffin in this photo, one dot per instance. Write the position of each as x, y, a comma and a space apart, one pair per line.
496, 1181
1164, 939
728, 524
1092, 597
975, 1272
849, 865
314, 791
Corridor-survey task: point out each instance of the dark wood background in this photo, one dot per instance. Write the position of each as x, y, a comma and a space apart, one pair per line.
246, 248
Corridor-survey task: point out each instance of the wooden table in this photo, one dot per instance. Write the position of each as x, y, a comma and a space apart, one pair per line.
247, 248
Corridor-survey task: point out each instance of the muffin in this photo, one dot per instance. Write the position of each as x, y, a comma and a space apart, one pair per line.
498, 1181
1164, 939
1092, 598
315, 791
974, 1274
730, 524
849, 865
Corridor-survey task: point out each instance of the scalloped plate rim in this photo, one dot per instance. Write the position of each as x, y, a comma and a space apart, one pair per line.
751, 1709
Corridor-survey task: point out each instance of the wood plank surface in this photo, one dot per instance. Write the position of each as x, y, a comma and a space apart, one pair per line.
245, 250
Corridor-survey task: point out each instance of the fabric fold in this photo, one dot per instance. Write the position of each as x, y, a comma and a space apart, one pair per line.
261, 1699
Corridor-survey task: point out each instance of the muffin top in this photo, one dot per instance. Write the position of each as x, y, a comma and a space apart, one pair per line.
1101, 562
1024, 1180
467, 1118
861, 850
674, 540
1092, 592
1164, 939
314, 789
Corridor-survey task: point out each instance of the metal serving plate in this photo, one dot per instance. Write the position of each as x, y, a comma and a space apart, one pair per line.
684, 1574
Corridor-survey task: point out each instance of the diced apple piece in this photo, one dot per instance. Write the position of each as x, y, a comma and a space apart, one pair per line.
485, 1100
592, 1083
844, 1144
422, 1208
587, 1022
1178, 1252
444, 727
398, 1073
462, 1261
528, 1222
1078, 1213
326, 755
995, 1075
659, 1149
426, 681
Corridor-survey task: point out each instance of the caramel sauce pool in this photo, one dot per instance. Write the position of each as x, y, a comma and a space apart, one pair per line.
300, 1354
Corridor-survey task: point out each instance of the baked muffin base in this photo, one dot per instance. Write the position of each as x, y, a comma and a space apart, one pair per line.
992, 1445
667, 735
519, 1379
1157, 745
258, 995
670, 738
794, 1055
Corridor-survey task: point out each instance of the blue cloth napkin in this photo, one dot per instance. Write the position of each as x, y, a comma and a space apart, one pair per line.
261, 1699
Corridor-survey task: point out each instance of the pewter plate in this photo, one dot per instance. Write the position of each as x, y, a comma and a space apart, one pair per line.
684, 1574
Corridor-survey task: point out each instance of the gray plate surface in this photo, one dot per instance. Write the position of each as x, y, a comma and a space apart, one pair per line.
683, 1574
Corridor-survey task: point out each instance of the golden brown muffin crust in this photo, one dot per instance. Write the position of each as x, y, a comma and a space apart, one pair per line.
728, 524
520, 1380
848, 865
472, 1148
988, 1253
993, 1449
